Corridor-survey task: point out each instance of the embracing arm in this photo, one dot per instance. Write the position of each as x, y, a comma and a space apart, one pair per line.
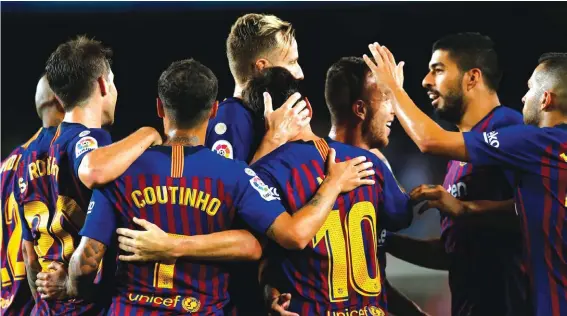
425, 253
83, 268
107, 163
153, 244
399, 304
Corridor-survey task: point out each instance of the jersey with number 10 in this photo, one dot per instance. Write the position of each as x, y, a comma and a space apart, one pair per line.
339, 272
538, 157
16, 297
191, 191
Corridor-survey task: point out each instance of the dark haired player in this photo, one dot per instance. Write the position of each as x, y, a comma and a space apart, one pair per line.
195, 192
534, 152
55, 187
16, 296
462, 81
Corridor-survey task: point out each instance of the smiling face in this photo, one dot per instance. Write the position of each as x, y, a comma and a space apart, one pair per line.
444, 87
379, 115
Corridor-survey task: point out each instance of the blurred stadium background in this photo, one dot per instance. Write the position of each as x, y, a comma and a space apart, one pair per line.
146, 37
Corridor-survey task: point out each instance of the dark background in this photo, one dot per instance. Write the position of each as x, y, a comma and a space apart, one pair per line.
147, 37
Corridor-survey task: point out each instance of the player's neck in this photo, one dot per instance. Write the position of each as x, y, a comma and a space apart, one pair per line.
238, 90
51, 117
306, 135
477, 109
88, 115
186, 137
348, 135
553, 119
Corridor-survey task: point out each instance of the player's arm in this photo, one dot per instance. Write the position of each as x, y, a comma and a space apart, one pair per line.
426, 134
296, 231
106, 163
33, 267
153, 244
276, 303
97, 233
425, 253
437, 197
399, 304
282, 124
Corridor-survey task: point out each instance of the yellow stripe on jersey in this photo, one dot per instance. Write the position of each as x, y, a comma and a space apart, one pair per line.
57, 133
322, 147
177, 161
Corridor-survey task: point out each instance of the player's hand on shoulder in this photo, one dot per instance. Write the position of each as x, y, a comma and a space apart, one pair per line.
288, 120
151, 244
350, 174
436, 197
52, 285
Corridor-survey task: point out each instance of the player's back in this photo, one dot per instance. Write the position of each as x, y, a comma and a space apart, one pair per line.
16, 297
191, 191
55, 203
338, 272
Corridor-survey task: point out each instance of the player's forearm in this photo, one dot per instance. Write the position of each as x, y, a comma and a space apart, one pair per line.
399, 304
485, 206
83, 267
426, 253
305, 223
425, 133
107, 163
222, 246
33, 267
269, 143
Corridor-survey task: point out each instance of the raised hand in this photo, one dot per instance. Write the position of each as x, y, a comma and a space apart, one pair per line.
384, 66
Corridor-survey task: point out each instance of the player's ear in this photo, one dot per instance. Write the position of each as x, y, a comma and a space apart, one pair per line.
473, 78
159, 107
546, 101
261, 64
102, 85
214, 110
309, 107
359, 109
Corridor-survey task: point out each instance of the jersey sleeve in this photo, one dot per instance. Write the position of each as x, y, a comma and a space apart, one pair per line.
518, 147
232, 139
397, 212
100, 223
258, 202
26, 230
86, 142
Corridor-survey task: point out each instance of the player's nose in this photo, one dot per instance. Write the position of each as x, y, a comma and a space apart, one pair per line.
427, 81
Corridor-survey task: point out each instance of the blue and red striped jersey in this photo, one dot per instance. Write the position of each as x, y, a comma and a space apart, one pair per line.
232, 133
485, 256
339, 272
538, 157
16, 297
191, 191
55, 202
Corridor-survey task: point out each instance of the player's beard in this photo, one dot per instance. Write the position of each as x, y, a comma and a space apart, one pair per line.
532, 115
453, 108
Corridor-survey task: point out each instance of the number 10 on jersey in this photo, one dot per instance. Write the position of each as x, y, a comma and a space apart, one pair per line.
347, 255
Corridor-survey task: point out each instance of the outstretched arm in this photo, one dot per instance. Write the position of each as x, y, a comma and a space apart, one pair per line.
426, 134
32, 265
425, 253
107, 163
153, 244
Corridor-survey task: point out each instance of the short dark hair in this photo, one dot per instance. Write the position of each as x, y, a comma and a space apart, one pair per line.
277, 81
73, 68
187, 90
473, 50
553, 60
344, 85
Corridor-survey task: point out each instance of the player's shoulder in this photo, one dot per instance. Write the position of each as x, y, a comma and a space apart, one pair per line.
288, 155
346, 151
70, 133
506, 116
232, 110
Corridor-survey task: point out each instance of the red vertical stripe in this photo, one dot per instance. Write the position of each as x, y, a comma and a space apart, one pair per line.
298, 186
146, 278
